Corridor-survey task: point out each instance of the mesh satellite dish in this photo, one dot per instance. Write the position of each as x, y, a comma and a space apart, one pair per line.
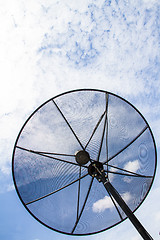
84, 161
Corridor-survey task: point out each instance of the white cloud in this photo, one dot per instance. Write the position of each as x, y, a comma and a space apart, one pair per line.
132, 166
102, 204
126, 196
104, 44
157, 216
127, 179
106, 203
150, 1
5, 170
112, 175
10, 187
6, 183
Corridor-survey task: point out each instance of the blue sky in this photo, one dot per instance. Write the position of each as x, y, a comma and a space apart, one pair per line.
48, 48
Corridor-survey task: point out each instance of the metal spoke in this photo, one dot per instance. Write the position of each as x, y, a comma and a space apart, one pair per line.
49, 194
130, 175
59, 154
133, 173
127, 145
68, 124
115, 205
83, 205
99, 153
99, 121
41, 154
79, 186
107, 135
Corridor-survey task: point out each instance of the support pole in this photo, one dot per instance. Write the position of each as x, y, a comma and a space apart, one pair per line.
145, 235
96, 170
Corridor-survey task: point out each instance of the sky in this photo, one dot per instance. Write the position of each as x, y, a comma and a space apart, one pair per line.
52, 47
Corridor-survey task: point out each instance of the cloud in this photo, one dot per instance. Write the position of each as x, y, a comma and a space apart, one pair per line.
132, 166
106, 203
5, 170
157, 216
10, 187
112, 175
102, 204
101, 38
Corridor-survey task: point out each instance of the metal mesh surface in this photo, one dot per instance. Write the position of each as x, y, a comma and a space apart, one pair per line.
59, 192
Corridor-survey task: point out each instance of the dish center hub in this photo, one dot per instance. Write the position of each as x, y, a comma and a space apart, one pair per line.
82, 157
95, 169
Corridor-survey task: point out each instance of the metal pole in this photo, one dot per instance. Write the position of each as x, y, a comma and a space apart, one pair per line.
145, 235
95, 169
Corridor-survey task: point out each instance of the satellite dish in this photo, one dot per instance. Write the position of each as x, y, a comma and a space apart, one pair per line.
84, 161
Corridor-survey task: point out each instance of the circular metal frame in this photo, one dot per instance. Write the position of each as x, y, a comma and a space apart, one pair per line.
93, 90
